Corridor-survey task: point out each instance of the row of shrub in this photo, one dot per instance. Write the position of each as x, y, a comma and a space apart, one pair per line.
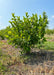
4, 32
49, 31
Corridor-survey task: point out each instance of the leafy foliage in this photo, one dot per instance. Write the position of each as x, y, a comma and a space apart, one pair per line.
49, 31
27, 32
4, 32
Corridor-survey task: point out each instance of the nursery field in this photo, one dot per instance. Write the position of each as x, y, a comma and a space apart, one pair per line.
38, 62
27, 46
26, 37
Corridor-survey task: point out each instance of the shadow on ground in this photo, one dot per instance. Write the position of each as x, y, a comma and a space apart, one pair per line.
38, 57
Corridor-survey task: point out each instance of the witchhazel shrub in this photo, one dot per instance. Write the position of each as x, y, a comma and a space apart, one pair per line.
27, 32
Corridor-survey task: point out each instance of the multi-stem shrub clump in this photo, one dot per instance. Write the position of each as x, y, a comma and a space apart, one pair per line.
28, 31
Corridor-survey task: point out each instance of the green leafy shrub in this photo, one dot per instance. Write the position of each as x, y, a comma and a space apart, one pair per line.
49, 31
27, 32
1, 34
4, 32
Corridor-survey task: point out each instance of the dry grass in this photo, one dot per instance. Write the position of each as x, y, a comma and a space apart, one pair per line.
34, 64
50, 37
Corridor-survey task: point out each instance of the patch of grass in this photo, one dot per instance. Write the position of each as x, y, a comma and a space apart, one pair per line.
1, 52
49, 38
3, 68
4, 59
48, 45
9, 60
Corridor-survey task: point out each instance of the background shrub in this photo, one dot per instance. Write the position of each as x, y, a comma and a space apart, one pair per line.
4, 32
49, 31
